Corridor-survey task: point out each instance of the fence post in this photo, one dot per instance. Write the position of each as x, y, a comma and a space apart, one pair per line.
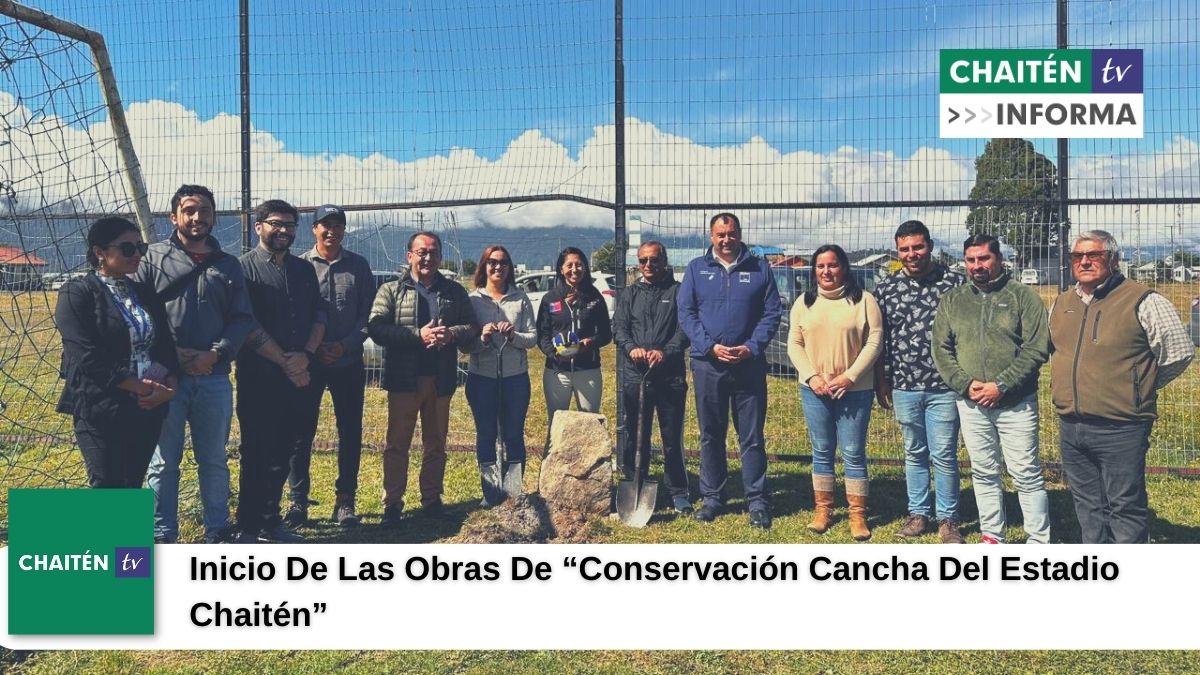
244, 34
1064, 225
620, 236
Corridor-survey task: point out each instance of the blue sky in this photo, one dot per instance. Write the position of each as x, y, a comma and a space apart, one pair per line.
814, 101
417, 78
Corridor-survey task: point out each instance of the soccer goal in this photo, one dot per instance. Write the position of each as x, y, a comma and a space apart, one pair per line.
66, 158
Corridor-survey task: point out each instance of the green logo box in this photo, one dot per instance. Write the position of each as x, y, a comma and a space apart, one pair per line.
1015, 71
80, 562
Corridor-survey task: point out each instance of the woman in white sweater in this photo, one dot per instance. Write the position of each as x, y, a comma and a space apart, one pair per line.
507, 331
834, 338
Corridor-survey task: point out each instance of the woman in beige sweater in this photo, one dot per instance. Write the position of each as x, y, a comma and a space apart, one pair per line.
834, 339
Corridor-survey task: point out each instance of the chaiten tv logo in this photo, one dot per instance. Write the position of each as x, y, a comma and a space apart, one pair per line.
81, 562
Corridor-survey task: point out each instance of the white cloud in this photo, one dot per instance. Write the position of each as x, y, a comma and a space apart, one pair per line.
175, 146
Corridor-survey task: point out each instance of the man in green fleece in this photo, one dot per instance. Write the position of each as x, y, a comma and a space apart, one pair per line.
990, 338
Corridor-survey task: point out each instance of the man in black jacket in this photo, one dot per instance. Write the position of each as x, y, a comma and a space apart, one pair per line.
646, 327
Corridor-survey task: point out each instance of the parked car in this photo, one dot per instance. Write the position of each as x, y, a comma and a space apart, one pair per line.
1031, 276
373, 353
792, 283
535, 284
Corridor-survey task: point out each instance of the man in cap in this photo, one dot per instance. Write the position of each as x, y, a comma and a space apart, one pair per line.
348, 288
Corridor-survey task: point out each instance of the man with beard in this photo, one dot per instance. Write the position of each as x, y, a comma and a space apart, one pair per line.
418, 319
905, 377
348, 288
274, 403
990, 339
209, 312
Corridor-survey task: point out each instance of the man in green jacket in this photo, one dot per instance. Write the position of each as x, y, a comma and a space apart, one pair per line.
990, 338
417, 320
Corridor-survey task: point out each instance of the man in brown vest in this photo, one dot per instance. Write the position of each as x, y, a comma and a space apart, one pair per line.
1115, 343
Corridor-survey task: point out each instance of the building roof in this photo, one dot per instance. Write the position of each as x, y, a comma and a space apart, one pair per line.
11, 255
874, 259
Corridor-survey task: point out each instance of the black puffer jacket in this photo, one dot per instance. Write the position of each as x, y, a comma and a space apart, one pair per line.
647, 317
588, 317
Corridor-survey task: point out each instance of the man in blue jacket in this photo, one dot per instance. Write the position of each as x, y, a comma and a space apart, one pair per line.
729, 309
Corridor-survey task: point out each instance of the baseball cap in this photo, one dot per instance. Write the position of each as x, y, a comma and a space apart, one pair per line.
326, 210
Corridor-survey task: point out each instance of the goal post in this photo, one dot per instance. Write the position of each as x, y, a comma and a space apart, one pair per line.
131, 168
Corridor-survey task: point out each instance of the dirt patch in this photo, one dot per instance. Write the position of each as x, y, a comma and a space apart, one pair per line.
527, 519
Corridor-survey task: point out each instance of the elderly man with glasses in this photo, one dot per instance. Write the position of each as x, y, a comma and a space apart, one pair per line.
1115, 343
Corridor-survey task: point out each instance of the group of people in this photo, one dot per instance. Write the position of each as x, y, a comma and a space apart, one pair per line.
949, 353
150, 335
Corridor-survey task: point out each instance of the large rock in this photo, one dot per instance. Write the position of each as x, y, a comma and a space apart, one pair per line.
576, 475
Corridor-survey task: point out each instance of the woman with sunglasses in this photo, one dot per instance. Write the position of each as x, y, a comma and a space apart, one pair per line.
507, 332
118, 358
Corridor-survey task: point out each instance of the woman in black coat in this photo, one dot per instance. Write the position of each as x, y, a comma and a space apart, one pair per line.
118, 358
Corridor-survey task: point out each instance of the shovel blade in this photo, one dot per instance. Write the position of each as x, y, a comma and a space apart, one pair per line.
635, 502
513, 481
492, 482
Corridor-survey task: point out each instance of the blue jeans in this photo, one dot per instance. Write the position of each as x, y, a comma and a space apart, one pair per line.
513, 403
833, 422
205, 403
929, 423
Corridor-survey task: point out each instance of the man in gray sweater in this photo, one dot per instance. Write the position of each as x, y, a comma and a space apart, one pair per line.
204, 290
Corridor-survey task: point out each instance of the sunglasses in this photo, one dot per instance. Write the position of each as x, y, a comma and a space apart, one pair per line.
129, 248
1092, 256
497, 263
650, 260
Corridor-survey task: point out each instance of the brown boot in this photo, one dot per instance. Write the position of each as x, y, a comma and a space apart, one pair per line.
856, 494
823, 496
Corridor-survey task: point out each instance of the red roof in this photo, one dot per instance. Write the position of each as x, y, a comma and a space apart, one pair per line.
11, 255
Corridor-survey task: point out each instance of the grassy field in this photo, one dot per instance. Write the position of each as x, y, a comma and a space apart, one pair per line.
36, 443
29, 383
643, 663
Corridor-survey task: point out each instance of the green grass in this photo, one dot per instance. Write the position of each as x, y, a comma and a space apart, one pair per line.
619, 662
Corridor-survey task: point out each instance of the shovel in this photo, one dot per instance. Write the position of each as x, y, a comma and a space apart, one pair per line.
636, 498
504, 480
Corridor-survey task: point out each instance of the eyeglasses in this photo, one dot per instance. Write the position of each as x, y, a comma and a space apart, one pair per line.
281, 224
649, 261
426, 253
1092, 256
129, 248
497, 263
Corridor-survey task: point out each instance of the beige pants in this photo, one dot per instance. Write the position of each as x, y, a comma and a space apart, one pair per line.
403, 408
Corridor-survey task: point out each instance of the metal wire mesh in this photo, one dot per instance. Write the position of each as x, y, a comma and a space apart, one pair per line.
492, 121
